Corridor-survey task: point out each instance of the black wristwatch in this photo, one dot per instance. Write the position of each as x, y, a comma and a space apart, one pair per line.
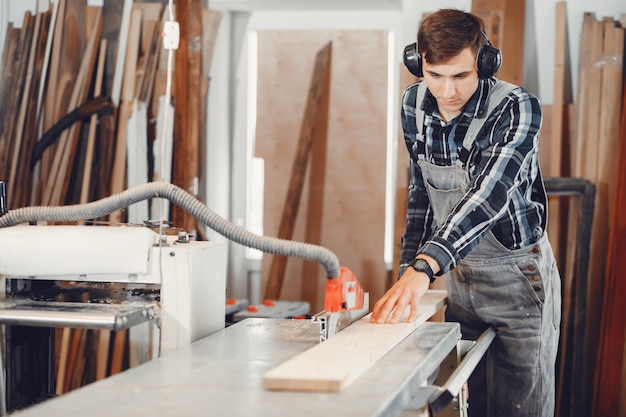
420, 265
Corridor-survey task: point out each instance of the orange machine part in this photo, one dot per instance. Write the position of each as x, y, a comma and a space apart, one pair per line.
336, 291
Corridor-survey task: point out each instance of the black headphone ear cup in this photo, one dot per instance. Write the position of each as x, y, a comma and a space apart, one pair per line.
413, 60
489, 61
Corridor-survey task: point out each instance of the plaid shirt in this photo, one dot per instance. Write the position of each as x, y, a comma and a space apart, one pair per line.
506, 194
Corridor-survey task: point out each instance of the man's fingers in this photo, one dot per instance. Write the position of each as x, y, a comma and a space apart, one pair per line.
399, 310
413, 314
383, 309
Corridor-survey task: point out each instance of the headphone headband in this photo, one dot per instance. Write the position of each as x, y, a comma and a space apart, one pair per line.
488, 60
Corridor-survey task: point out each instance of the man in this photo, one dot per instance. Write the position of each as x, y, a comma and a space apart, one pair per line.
477, 213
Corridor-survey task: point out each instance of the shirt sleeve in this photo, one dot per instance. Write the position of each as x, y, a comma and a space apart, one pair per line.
419, 217
504, 163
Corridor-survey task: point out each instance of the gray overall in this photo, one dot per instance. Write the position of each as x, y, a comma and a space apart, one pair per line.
518, 292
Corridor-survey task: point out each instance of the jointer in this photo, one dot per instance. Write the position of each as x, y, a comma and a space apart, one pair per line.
221, 374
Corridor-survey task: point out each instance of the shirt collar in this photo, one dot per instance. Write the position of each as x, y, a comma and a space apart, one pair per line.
476, 105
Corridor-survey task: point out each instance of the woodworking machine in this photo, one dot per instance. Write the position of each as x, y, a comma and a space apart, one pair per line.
178, 286
180, 282
167, 292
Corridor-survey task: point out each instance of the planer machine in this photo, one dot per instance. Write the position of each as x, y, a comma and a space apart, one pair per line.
176, 287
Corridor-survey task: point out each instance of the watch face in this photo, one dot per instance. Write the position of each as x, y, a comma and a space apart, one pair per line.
420, 264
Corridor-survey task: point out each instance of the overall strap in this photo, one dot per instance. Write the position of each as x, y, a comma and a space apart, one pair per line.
419, 113
497, 93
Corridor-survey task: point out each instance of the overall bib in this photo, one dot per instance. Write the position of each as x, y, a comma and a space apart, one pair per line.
518, 292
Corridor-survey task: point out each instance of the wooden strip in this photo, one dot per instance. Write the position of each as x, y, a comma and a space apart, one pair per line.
63, 360
608, 376
91, 137
52, 111
102, 357
611, 90
119, 351
298, 170
334, 364
16, 115
118, 177
557, 207
34, 114
311, 282
187, 121
20, 143
13, 36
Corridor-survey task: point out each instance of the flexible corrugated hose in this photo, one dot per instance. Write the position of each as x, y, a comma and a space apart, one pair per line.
188, 203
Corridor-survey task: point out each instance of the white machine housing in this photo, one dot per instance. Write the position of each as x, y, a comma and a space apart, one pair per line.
191, 274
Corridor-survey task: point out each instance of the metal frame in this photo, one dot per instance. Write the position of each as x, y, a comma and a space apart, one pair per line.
576, 401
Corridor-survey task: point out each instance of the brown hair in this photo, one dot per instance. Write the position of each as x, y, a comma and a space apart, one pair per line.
444, 34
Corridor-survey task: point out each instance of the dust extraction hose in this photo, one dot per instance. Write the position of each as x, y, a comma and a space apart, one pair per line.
187, 202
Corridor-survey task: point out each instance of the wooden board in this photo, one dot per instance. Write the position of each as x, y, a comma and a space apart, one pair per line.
354, 188
610, 376
335, 363
504, 24
318, 94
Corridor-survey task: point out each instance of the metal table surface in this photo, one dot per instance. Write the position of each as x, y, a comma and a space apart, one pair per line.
221, 375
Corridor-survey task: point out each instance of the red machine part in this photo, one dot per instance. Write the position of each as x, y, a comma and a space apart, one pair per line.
343, 293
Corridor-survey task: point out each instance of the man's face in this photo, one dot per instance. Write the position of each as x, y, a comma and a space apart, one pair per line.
452, 83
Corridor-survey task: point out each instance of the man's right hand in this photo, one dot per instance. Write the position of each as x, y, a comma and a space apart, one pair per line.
408, 290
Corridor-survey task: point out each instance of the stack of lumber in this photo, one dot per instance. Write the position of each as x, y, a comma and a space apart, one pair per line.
85, 86
595, 147
581, 140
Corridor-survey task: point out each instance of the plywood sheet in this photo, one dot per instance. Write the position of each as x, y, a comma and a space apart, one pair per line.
354, 186
335, 363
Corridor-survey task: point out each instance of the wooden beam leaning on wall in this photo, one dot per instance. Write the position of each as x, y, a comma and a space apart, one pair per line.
317, 95
504, 21
610, 378
187, 119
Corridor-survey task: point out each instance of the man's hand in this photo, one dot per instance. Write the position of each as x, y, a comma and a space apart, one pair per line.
409, 289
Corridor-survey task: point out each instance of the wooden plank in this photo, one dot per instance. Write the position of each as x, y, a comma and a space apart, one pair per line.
507, 17
557, 207
34, 115
334, 364
557, 217
16, 114
118, 178
52, 113
13, 36
588, 158
91, 137
611, 90
119, 351
608, 377
187, 120
102, 356
63, 356
299, 168
20, 142
312, 284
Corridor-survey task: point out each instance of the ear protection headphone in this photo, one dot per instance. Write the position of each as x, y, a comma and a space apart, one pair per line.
488, 61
